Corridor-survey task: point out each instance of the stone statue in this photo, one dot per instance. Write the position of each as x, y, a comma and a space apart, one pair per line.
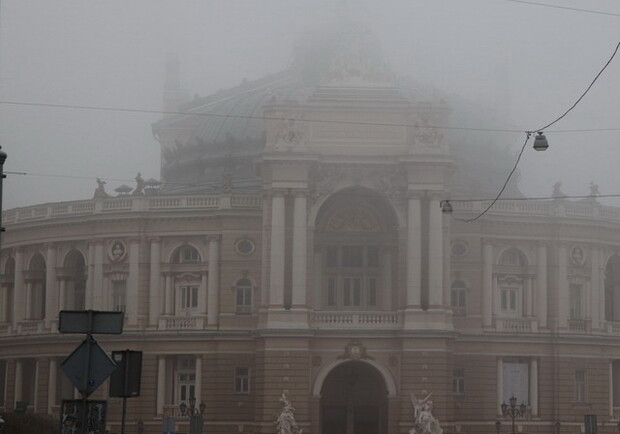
285, 423
557, 190
100, 190
139, 186
594, 191
423, 420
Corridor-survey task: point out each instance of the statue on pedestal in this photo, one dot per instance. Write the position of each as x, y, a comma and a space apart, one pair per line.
423, 420
285, 423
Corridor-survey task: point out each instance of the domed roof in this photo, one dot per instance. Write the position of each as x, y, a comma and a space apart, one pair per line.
225, 132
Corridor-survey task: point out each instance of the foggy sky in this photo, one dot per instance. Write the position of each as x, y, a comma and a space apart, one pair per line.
526, 61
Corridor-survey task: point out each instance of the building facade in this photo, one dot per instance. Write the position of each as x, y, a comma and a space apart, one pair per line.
297, 244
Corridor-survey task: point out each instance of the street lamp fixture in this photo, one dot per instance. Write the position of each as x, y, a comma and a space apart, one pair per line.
194, 413
498, 425
513, 410
557, 427
619, 427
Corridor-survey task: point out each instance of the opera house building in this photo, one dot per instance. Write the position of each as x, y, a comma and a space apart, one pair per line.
296, 242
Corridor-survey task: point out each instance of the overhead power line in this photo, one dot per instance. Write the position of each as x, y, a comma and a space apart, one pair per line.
589, 11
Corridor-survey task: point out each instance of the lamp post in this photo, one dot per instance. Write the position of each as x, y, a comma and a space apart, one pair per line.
557, 427
498, 425
1, 425
513, 411
194, 413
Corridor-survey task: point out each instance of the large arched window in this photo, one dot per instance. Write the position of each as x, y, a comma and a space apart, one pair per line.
186, 254
35, 290
612, 289
187, 280
74, 276
6, 293
355, 242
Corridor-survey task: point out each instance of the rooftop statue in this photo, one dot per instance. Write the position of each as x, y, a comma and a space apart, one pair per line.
423, 420
139, 186
100, 190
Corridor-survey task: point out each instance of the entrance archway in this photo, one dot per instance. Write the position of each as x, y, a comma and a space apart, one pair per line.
354, 400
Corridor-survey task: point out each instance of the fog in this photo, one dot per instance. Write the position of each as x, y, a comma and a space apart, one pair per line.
525, 61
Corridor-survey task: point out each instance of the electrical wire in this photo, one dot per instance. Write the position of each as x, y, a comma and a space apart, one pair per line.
590, 11
540, 130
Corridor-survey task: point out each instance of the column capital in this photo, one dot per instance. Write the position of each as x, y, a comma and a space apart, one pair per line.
95, 242
17, 250
489, 241
213, 238
278, 192
415, 194
134, 240
50, 246
300, 192
155, 240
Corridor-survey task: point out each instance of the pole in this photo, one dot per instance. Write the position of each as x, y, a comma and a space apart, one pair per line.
124, 415
89, 343
2, 176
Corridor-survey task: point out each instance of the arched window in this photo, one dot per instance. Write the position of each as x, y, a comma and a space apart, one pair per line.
6, 293
511, 280
612, 289
355, 240
243, 296
75, 281
186, 254
35, 295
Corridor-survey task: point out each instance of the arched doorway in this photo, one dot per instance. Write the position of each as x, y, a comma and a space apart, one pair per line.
354, 400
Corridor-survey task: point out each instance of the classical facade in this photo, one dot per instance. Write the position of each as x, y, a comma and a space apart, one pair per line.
297, 244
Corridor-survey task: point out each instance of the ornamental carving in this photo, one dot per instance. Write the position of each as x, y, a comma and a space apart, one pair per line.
353, 219
424, 131
291, 132
355, 350
117, 251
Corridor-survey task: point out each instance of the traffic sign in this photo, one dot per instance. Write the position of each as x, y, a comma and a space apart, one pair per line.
90, 321
88, 366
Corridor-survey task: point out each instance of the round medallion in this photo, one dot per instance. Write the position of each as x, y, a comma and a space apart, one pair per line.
458, 249
245, 246
577, 255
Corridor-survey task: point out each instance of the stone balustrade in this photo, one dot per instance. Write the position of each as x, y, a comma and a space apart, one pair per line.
126, 205
368, 320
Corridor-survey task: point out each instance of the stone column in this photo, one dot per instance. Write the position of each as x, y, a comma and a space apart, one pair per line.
487, 283
98, 299
384, 286
500, 384
19, 380
541, 285
435, 253
299, 253
595, 288
276, 270
90, 279
51, 293
161, 384
29, 299
562, 294
414, 252
62, 293
213, 283
534, 387
198, 385
319, 300
133, 282
527, 298
52, 383
601, 277
4, 303
203, 294
154, 282
19, 301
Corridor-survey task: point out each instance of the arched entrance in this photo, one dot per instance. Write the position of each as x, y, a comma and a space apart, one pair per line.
354, 400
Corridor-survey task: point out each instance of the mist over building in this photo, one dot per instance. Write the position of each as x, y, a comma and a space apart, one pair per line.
296, 243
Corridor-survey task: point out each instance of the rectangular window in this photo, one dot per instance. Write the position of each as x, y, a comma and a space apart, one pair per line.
516, 381
331, 291
119, 294
509, 300
242, 380
244, 299
373, 256
189, 297
372, 292
352, 291
457, 301
580, 385
458, 381
352, 256
574, 296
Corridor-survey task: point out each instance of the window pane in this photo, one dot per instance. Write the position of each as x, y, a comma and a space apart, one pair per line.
516, 382
352, 256
347, 292
357, 291
331, 291
372, 292
331, 257
373, 256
